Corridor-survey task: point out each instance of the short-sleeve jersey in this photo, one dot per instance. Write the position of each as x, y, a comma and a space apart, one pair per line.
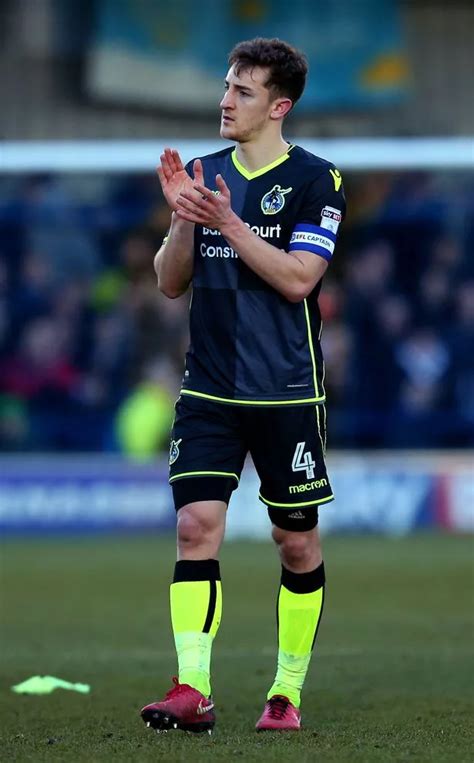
249, 344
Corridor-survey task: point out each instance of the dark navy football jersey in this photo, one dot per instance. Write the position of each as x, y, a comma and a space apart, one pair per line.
249, 344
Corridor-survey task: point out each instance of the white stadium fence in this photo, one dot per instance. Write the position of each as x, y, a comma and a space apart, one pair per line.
143, 155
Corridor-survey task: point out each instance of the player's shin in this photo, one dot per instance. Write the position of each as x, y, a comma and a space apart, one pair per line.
299, 609
196, 607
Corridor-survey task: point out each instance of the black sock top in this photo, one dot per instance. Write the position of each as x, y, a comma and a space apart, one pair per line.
303, 582
193, 570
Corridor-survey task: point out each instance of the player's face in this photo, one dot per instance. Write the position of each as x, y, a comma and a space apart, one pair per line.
246, 105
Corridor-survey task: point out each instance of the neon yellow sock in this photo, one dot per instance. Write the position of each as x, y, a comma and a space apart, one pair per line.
196, 608
298, 619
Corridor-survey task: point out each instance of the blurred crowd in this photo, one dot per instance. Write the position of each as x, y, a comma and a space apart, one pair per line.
91, 354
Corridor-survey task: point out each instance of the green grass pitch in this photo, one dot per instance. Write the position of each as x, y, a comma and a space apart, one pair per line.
391, 678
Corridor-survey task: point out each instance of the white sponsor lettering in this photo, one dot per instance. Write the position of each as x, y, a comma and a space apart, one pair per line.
331, 218
264, 231
334, 214
226, 252
217, 251
307, 237
314, 485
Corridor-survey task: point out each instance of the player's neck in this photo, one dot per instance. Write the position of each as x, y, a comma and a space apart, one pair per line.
258, 153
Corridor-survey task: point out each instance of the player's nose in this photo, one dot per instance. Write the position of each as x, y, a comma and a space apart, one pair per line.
227, 101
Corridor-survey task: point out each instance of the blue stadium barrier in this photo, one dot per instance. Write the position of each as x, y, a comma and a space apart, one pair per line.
395, 494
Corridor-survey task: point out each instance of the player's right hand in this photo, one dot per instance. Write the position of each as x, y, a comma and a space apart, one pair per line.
173, 177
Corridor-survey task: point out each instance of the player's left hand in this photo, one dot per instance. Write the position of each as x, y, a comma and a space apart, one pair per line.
212, 210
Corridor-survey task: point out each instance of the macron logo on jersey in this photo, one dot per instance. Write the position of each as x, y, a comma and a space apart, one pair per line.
313, 238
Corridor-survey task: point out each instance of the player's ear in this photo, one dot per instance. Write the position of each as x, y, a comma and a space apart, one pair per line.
281, 107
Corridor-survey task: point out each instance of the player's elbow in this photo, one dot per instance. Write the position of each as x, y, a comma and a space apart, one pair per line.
170, 291
297, 292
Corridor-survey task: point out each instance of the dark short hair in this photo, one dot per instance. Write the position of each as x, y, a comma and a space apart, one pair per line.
287, 65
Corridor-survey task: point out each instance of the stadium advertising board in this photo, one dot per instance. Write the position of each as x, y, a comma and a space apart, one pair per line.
53, 494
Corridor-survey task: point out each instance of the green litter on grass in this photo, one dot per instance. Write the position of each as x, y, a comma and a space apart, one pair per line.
47, 684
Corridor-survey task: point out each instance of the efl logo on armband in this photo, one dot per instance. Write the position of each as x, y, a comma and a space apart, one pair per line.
313, 238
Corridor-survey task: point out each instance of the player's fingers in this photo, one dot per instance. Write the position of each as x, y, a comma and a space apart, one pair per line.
194, 215
196, 198
204, 192
198, 171
161, 175
177, 161
222, 186
189, 217
170, 160
184, 201
165, 166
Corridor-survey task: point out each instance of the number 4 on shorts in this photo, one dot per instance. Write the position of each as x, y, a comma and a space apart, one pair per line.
303, 462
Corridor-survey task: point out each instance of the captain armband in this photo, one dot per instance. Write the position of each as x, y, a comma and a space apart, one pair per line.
313, 238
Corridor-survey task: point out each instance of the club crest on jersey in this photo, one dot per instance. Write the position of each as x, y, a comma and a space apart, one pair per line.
174, 451
273, 201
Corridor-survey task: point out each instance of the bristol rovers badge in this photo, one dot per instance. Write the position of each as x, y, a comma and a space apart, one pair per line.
174, 451
274, 200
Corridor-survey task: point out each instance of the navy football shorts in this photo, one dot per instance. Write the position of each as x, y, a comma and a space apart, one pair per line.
210, 442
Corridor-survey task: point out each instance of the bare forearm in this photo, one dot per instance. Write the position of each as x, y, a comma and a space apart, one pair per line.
284, 271
174, 262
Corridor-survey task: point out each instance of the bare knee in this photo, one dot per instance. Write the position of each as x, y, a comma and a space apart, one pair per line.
200, 530
299, 551
191, 529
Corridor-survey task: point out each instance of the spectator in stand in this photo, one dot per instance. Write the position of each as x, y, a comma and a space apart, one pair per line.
434, 297
144, 419
32, 294
109, 361
14, 425
5, 312
393, 318
369, 278
447, 255
159, 326
70, 308
424, 360
53, 226
41, 375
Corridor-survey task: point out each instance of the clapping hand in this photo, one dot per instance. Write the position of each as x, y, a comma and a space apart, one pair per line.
205, 207
174, 179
